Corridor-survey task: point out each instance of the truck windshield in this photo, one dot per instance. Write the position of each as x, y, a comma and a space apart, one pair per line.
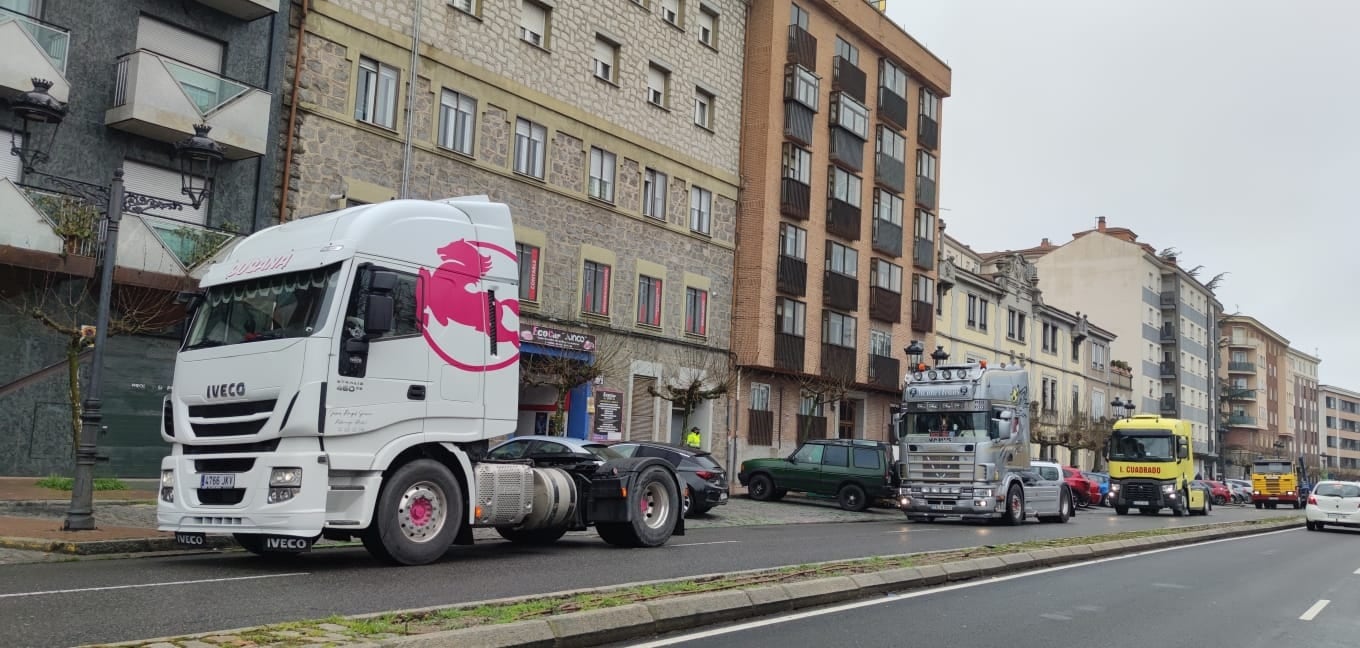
268, 308
1142, 445
948, 425
1271, 467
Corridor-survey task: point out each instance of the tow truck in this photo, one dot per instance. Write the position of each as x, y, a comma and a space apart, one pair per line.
1151, 466
341, 376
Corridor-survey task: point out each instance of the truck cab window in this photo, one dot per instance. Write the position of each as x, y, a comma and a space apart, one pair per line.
280, 306
404, 313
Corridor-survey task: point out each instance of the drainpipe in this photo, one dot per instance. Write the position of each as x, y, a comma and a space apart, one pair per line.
411, 102
292, 113
262, 169
733, 417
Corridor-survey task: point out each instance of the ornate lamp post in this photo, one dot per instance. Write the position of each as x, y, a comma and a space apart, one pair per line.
41, 115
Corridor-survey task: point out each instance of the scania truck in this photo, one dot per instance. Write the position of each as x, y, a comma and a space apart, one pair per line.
1152, 465
963, 432
1275, 482
341, 376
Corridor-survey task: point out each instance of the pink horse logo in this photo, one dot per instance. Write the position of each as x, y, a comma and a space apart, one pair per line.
452, 296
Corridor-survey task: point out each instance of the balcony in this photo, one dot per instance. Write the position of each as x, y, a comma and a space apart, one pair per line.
1168, 405
1242, 367
848, 78
759, 427
1168, 369
1241, 393
34, 49
795, 199
802, 47
923, 254
892, 108
1168, 299
792, 276
244, 9
928, 132
922, 316
885, 305
843, 219
788, 351
811, 427
838, 363
1168, 334
840, 292
925, 192
1120, 381
798, 122
1241, 419
890, 172
885, 372
161, 98
847, 149
887, 237
1242, 343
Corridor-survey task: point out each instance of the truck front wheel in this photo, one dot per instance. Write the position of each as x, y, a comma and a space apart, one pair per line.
655, 502
418, 514
1015, 506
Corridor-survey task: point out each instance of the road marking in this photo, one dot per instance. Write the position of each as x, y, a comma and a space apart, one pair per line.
1313, 611
1056, 617
165, 584
697, 544
1171, 585
1356, 571
894, 598
913, 530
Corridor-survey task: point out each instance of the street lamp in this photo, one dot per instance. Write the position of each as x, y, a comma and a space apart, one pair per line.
1119, 404
41, 114
939, 355
914, 352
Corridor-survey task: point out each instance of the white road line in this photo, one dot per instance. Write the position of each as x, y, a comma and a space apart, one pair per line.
893, 598
1314, 611
698, 544
1356, 571
118, 587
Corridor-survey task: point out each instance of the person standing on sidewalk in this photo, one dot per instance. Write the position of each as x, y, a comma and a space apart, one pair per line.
693, 439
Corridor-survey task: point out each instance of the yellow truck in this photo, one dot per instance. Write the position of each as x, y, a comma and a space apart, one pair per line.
1274, 482
1152, 468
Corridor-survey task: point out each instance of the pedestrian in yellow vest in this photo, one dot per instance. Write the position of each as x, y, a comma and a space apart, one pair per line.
692, 439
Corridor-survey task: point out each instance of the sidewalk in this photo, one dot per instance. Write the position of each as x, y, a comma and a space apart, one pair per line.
26, 489
31, 519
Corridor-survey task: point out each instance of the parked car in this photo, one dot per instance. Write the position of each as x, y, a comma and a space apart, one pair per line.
1085, 491
856, 472
1333, 502
705, 479
1241, 489
1102, 481
540, 447
1222, 494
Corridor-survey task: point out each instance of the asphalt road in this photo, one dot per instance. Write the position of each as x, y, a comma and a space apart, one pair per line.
120, 600
1261, 591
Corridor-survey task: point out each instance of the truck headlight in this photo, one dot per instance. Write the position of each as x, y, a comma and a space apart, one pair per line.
983, 492
1168, 488
168, 486
1114, 488
285, 477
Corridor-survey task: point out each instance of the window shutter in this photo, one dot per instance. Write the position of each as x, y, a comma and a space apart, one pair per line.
9, 162
179, 44
534, 18
642, 410
604, 51
162, 183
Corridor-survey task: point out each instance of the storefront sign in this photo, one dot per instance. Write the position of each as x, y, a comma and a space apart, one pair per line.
608, 416
557, 338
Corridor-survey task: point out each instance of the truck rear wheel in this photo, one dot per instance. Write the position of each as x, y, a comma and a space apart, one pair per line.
655, 502
419, 512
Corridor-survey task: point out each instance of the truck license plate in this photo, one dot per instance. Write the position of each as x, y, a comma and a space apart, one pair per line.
1274, 498
217, 481
941, 507
1141, 503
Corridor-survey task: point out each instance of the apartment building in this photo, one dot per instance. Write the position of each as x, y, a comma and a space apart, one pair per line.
120, 84
610, 128
992, 309
1301, 408
1164, 319
840, 171
1340, 409
1254, 380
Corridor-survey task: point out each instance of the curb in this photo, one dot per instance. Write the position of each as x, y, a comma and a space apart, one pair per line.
671, 614
103, 547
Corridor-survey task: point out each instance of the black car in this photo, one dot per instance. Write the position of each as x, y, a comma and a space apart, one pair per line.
705, 478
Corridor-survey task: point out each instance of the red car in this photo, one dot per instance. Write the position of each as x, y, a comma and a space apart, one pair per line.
1085, 490
1220, 492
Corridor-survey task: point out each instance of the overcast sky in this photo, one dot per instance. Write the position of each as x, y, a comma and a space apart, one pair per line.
1227, 129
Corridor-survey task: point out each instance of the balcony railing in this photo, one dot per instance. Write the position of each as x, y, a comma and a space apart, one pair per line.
789, 351
923, 253
811, 427
1242, 367
244, 9
848, 78
890, 172
847, 149
925, 192
1168, 299
802, 47
1121, 381
792, 276
1168, 334
1241, 393
885, 371
838, 363
892, 108
759, 427
1168, 369
843, 219
795, 199
922, 316
1241, 419
33, 48
798, 121
885, 305
887, 237
1243, 343
840, 292
1168, 404
928, 132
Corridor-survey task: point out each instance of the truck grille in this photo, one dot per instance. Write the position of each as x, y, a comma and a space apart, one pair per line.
938, 466
221, 497
227, 411
1137, 491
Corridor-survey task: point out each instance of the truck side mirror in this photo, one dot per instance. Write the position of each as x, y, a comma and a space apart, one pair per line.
378, 314
1182, 449
895, 429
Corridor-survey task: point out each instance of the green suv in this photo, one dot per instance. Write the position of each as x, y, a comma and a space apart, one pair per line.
855, 472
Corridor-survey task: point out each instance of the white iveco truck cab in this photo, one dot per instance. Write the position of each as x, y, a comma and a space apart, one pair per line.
340, 378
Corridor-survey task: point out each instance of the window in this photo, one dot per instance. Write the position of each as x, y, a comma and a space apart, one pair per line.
930, 104
696, 311
1076, 351
847, 51
654, 194
760, 397
802, 86
887, 207
845, 186
925, 225
457, 121
838, 329
893, 78
797, 163
867, 458
923, 289
375, 100
880, 343
836, 455
602, 168
606, 59
791, 315
892, 144
799, 17
533, 23
649, 301
530, 147
528, 271
1050, 338
700, 209
850, 115
810, 453
670, 11
792, 241
925, 165
595, 288
466, 6
403, 296
841, 259
658, 85
9, 162
708, 27
983, 309
885, 275
972, 310
703, 109
1097, 355
1015, 325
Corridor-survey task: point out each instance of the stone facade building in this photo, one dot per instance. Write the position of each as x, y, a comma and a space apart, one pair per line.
609, 128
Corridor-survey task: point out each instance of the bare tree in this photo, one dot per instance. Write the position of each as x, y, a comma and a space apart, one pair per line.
820, 390
1081, 432
563, 373
693, 376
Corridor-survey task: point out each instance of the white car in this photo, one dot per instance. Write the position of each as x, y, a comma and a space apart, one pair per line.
1333, 502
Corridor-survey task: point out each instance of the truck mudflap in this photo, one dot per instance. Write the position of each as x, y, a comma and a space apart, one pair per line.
613, 483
